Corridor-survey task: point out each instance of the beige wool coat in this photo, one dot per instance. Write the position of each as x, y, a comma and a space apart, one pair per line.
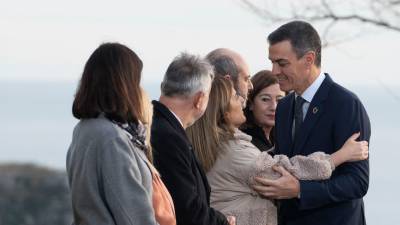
233, 174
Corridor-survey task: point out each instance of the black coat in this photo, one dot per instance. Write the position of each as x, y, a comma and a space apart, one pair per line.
180, 171
334, 115
258, 138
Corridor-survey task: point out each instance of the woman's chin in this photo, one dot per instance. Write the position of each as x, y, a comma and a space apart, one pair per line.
241, 123
243, 120
269, 124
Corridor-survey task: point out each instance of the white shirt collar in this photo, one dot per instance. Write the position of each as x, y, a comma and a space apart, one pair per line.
309, 93
176, 117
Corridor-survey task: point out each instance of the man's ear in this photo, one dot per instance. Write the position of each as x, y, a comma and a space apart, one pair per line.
310, 58
198, 99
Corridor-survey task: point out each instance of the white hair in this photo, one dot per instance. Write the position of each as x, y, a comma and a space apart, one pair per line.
186, 75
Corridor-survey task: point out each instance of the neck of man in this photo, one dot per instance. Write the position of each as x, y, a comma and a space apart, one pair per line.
311, 77
180, 106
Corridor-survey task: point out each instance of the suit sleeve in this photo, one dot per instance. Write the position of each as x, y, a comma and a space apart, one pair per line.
174, 164
350, 180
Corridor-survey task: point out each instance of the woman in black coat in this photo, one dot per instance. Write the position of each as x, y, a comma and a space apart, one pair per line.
260, 109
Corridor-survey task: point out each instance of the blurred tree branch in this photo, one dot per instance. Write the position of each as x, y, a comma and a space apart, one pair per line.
330, 14
340, 21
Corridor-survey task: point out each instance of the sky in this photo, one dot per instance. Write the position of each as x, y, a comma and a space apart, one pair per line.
51, 40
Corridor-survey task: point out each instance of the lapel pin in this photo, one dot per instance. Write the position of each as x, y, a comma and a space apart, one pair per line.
315, 110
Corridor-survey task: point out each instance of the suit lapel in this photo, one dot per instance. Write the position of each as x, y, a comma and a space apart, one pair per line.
314, 112
284, 125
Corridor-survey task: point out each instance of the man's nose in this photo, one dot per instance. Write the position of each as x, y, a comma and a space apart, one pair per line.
250, 85
275, 70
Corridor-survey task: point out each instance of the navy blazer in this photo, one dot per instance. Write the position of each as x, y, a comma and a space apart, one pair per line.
334, 115
180, 171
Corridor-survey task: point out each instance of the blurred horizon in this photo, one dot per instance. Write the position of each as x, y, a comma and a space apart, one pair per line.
45, 121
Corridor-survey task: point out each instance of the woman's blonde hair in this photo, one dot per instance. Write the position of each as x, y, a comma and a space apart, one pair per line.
147, 119
207, 133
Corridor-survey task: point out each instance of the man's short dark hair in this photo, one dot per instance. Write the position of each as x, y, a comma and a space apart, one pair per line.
302, 36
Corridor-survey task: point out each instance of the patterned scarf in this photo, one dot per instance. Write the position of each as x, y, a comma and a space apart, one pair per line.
137, 133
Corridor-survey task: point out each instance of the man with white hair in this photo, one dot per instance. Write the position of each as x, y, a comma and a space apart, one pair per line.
184, 98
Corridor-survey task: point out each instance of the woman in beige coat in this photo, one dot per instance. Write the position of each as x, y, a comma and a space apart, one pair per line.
232, 161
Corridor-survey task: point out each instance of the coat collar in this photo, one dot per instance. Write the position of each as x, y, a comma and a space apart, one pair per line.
167, 114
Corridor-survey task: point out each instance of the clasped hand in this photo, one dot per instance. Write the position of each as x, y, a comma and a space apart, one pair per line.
285, 187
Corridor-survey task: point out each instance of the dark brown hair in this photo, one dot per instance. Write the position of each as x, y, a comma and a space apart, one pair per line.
110, 84
260, 80
302, 36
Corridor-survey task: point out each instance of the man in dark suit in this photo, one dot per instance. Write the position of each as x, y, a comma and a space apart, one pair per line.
319, 115
184, 97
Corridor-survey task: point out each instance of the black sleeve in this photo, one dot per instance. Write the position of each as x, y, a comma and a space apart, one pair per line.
173, 160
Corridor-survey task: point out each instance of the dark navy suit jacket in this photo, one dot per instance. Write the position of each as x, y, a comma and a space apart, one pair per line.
180, 171
332, 117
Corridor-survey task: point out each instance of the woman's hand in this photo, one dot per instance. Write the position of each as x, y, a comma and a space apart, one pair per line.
351, 151
354, 150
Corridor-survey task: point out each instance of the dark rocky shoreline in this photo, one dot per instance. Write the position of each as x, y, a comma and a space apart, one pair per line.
33, 195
